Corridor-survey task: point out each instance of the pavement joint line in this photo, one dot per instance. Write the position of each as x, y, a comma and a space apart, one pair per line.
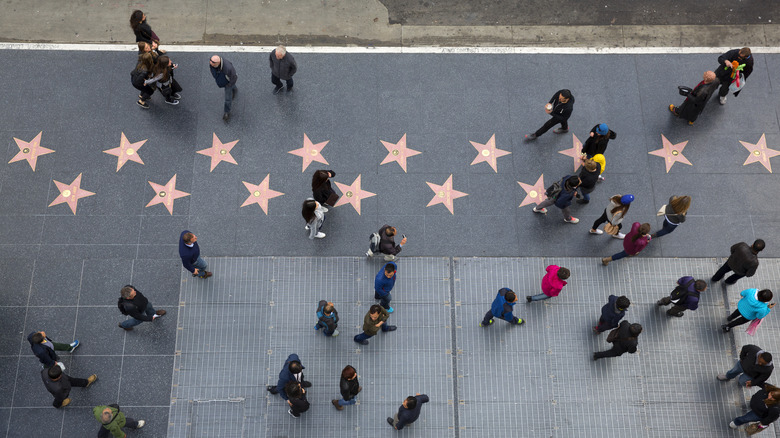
454, 349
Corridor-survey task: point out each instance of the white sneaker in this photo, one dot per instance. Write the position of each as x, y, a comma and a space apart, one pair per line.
369, 253
596, 231
573, 220
306, 227
601, 178
335, 333
324, 208
541, 210
320, 235
389, 258
723, 102
733, 425
140, 424
620, 236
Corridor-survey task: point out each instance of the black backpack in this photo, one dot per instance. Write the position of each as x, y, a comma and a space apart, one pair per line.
554, 190
373, 242
681, 292
121, 306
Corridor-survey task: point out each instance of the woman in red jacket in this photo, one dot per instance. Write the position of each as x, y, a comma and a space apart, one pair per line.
552, 283
635, 241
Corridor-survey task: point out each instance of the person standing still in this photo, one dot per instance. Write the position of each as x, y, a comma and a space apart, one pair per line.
349, 387
559, 108
189, 251
383, 284
283, 67
226, 78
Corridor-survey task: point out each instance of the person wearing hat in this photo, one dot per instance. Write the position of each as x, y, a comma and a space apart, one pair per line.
633, 243
600, 136
559, 107
614, 213
696, 100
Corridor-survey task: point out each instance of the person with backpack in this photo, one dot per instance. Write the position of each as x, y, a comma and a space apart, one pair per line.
502, 308
684, 297
383, 241
383, 284
561, 194
327, 318
598, 139
624, 339
113, 420
612, 313
135, 305
614, 213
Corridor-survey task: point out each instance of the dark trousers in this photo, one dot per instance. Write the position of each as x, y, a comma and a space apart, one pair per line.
677, 308
550, 123
724, 86
167, 92
603, 219
74, 381
278, 82
722, 271
612, 352
489, 316
384, 300
667, 228
230, 93
736, 319
129, 423
146, 92
604, 325
364, 336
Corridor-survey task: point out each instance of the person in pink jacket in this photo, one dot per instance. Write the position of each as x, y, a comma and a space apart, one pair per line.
634, 242
552, 283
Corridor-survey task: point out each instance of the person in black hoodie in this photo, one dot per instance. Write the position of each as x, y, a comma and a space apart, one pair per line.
743, 261
589, 176
624, 339
321, 189
349, 387
225, 76
135, 305
59, 384
612, 313
296, 398
754, 367
725, 66
569, 184
763, 408
559, 107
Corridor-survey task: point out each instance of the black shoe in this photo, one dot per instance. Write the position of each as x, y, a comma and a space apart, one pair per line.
172, 102
127, 329
306, 384
226, 117
713, 280
278, 89
362, 342
726, 328
142, 104
390, 422
678, 314
594, 357
560, 131
289, 89
730, 282
391, 328
272, 389
582, 201
528, 298
176, 96
530, 137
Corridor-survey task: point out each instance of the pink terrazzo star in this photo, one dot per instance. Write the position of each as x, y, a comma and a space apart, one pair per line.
352, 194
534, 194
488, 153
575, 152
310, 152
70, 193
166, 194
219, 152
671, 153
30, 151
760, 153
126, 152
398, 152
445, 194
260, 194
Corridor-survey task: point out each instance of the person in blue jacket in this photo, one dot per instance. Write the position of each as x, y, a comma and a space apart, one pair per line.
684, 297
327, 318
564, 199
383, 284
612, 313
502, 308
291, 372
753, 305
189, 251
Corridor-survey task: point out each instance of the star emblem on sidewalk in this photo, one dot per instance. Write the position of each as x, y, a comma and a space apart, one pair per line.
30, 151
260, 194
398, 152
534, 194
126, 152
760, 153
310, 152
352, 194
575, 152
219, 151
445, 194
166, 194
70, 193
671, 153
488, 153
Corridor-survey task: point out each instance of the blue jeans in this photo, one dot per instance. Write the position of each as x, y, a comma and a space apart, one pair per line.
230, 90
384, 300
585, 196
737, 371
343, 402
668, 228
747, 418
132, 322
540, 297
202, 266
619, 255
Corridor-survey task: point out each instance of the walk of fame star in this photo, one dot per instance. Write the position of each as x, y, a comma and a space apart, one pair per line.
126, 152
70, 193
575, 152
671, 153
166, 194
219, 151
760, 153
488, 153
398, 152
445, 194
352, 194
260, 194
310, 152
30, 151
534, 194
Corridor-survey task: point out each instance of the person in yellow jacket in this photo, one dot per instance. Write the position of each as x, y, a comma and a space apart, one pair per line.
112, 421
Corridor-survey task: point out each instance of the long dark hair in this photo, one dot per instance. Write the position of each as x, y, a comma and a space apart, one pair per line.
642, 231
136, 18
162, 67
319, 178
307, 210
145, 62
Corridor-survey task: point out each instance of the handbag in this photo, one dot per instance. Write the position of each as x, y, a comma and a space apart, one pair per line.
611, 229
753, 428
683, 90
661, 211
612, 336
751, 330
332, 199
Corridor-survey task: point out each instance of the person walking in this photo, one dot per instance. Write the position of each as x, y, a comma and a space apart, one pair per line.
327, 318
764, 409
349, 387
552, 283
321, 189
296, 398
614, 213
283, 67
383, 284
225, 76
684, 297
314, 214
559, 108
112, 420
635, 241
375, 319
612, 313
598, 140
696, 100
139, 75
292, 371
743, 261
562, 199
674, 213
753, 305
730, 64
624, 339
386, 245
162, 76
589, 176
409, 411
753, 368
59, 384
189, 251
45, 349
134, 304
142, 30
501, 308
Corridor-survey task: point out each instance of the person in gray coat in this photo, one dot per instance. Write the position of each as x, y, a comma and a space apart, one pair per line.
314, 215
226, 78
283, 67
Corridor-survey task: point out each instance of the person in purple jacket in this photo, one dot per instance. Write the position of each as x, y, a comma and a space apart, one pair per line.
383, 284
684, 297
189, 251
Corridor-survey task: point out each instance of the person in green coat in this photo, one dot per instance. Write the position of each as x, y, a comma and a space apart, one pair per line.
375, 320
113, 420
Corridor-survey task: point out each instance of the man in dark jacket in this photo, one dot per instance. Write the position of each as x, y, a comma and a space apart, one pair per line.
685, 296
327, 318
383, 284
569, 184
502, 307
283, 66
612, 313
624, 340
135, 305
753, 367
291, 372
743, 261
387, 244
375, 320
409, 411
44, 348
226, 78
589, 176
696, 100
725, 69
189, 251
559, 107
296, 398
597, 142
58, 384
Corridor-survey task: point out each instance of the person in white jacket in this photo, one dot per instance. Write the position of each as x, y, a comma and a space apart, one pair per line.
614, 213
314, 215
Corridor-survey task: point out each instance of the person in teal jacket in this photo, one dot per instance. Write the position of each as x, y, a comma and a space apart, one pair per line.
753, 305
502, 308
